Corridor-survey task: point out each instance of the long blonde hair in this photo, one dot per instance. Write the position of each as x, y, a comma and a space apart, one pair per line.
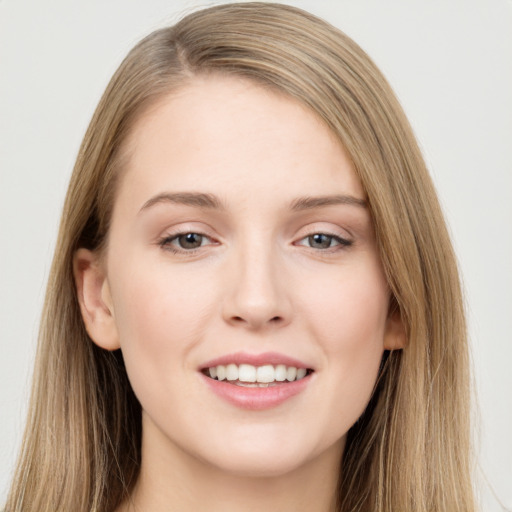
410, 451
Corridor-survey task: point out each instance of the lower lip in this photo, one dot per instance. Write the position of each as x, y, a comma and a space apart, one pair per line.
256, 399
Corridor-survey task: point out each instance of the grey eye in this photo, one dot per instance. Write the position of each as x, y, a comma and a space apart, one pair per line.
320, 241
190, 240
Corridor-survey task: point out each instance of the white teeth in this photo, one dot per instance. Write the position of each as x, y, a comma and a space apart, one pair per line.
221, 372
291, 373
254, 376
265, 373
247, 373
232, 372
255, 384
280, 372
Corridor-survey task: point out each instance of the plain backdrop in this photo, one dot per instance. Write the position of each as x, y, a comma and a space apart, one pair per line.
450, 63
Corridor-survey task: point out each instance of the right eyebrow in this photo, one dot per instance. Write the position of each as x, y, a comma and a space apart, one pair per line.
311, 202
196, 199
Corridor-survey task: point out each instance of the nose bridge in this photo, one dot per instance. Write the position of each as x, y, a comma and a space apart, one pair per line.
257, 297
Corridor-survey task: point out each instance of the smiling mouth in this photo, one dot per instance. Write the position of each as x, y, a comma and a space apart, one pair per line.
247, 375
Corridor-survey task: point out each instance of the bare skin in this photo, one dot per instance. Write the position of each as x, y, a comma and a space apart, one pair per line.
192, 486
239, 226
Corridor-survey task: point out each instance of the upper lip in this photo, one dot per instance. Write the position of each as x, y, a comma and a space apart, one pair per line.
273, 358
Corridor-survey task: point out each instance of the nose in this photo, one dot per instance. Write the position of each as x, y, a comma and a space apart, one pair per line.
257, 296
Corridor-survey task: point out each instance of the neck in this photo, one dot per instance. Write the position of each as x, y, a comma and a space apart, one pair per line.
173, 479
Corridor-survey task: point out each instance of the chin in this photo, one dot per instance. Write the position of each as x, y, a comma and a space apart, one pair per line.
262, 465
262, 457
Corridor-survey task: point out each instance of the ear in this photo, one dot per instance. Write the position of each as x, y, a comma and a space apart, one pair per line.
395, 337
95, 300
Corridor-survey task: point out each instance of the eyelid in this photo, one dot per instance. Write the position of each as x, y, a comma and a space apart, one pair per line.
342, 241
187, 226
325, 228
169, 235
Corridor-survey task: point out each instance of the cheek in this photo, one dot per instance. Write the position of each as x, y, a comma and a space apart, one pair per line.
350, 312
349, 320
160, 316
156, 298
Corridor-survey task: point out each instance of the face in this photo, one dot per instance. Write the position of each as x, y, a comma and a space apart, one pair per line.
241, 247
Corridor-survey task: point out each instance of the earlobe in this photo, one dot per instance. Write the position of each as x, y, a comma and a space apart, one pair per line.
95, 300
395, 337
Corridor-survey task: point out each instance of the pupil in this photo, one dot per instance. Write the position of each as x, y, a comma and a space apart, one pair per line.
190, 240
320, 241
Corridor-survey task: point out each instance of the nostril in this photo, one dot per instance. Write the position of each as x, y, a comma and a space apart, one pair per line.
273, 319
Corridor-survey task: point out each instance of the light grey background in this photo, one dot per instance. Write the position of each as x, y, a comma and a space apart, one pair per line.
450, 62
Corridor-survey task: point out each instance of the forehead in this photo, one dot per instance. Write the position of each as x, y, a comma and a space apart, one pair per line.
227, 135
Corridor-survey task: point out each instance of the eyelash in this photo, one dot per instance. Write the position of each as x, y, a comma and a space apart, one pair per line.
166, 242
342, 243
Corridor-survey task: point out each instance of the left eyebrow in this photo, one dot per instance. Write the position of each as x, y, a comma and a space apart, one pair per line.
198, 200
309, 203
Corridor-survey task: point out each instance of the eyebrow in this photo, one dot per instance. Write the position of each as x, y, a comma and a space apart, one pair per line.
212, 202
309, 203
195, 199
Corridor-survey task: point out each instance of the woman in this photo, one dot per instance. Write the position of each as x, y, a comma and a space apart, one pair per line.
254, 301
